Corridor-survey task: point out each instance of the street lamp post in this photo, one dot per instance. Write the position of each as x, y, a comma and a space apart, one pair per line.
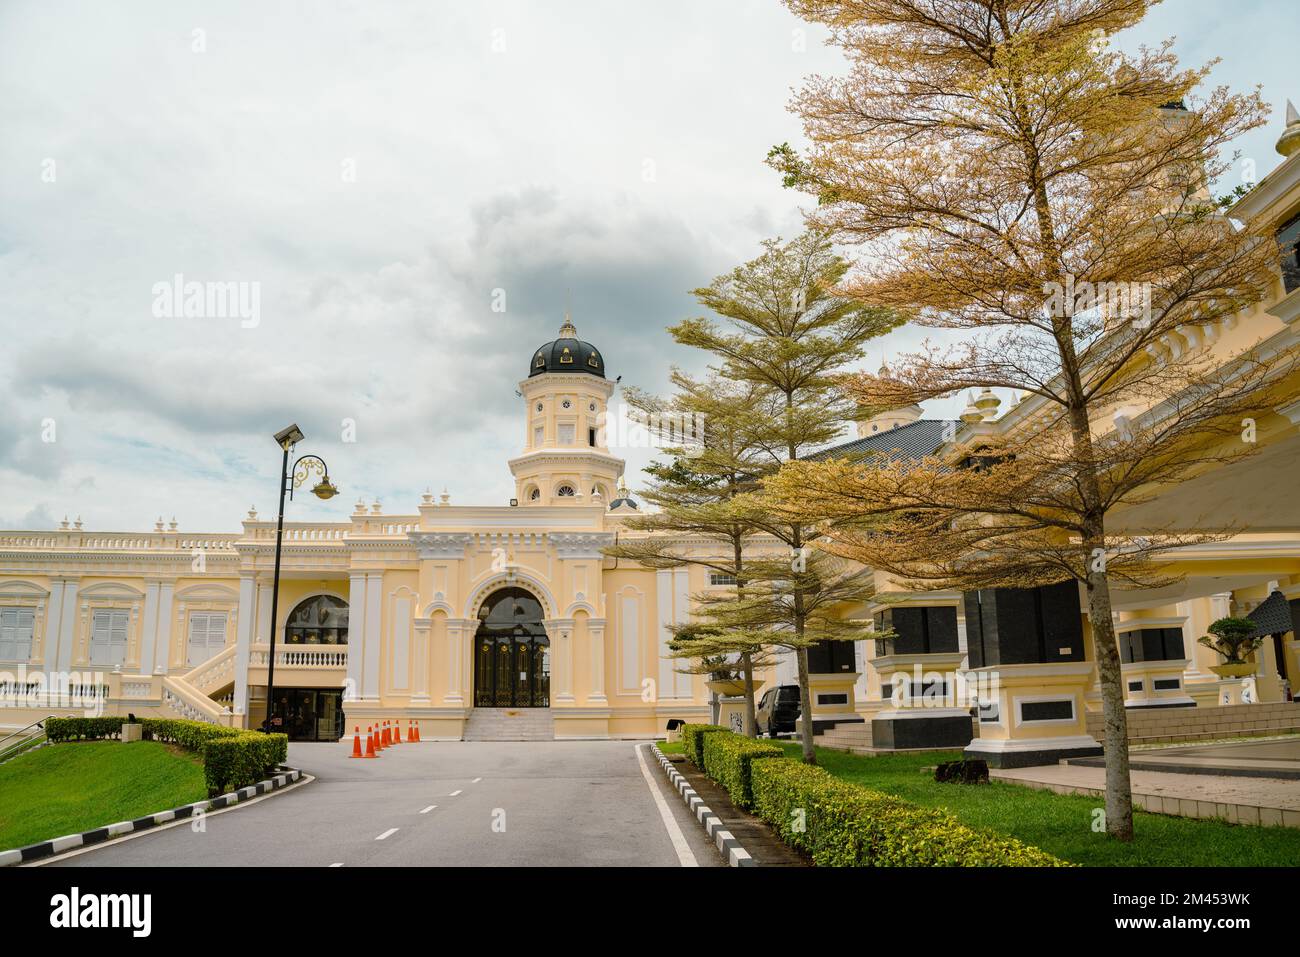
290, 479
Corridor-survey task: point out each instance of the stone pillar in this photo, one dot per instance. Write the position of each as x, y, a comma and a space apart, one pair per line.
53, 626
460, 650
163, 639
925, 704
374, 604
67, 625
420, 661
149, 628
356, 635
560, 633
1027, 658
596, 635
244, 640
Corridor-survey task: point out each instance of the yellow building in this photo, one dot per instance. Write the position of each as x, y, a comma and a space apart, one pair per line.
438, 616
486, 621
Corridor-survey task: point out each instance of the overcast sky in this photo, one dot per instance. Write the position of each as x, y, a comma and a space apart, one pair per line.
380, 170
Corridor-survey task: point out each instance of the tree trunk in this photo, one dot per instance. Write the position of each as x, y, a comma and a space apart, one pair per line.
751, 719
1119, 794
714, 707
805, 709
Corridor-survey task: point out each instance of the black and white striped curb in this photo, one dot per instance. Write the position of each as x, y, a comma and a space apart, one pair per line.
35, 852
736, 855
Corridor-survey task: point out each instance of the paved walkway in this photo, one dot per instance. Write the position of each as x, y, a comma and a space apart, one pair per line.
497, 804
1241, 800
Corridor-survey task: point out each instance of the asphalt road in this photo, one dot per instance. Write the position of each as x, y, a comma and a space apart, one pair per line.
493, 804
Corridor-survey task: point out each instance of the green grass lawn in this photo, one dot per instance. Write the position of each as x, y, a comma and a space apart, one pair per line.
67, 788
1062, 824
674, 748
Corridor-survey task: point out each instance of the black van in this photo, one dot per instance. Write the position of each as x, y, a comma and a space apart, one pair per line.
778, 710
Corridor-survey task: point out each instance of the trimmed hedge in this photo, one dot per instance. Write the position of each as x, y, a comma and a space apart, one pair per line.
87, 729
844, 825
233, 758
727, 759
693, 741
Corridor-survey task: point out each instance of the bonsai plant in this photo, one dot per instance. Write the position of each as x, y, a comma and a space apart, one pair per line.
1234, 639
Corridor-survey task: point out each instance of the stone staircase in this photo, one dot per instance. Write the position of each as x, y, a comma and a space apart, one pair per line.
510, 724
1178, 725
854, 738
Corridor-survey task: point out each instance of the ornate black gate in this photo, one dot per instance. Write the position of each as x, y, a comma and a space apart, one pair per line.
512, 665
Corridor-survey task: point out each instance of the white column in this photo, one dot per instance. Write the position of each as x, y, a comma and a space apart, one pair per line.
356, 634
374, 603
262, 626
664, 608
53, 625
560, 633
244, 640
460, 633
67, 625
149, 628
420, 662
163, 636
596, 633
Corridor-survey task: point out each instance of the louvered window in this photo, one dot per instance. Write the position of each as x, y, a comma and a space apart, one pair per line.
207, 636
16, 626
108, 633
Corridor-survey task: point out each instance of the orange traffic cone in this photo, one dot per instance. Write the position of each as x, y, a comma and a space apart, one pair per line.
374, 734
356, 744
414, 734
380, 744
397, 732
388, 735
370, 743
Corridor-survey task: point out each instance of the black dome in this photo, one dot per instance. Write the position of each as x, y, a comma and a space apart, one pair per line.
567, 354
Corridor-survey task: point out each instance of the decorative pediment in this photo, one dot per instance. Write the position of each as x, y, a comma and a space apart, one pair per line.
21, 589
441, 544
194, 593
111, 591
580, 544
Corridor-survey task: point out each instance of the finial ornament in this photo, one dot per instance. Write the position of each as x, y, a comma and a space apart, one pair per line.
568, 330
1289, 144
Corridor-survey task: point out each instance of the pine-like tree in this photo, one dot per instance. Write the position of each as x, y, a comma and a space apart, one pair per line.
788, 334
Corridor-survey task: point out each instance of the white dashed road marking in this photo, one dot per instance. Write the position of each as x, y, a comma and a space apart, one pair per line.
428, 809
453, 794
476, 781
388, 833
337, 864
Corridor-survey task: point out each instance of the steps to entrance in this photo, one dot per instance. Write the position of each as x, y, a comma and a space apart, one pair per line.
510, 724
854, 738
1178, 725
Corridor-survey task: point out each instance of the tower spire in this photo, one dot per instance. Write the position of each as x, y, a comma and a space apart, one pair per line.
1290, 141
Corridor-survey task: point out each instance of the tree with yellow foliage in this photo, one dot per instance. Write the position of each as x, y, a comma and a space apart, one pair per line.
1011, 176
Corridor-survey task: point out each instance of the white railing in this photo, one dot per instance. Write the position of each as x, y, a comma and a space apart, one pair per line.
301, 656
216, 671
185, 701
138, 689
118, 541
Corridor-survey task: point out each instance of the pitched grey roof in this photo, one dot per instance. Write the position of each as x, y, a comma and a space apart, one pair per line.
911, 441
1272, 616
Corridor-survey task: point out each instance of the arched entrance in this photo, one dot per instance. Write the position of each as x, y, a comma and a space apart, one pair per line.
512, 662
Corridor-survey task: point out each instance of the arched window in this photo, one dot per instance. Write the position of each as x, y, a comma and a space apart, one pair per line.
534, 495
565, 491
320, 620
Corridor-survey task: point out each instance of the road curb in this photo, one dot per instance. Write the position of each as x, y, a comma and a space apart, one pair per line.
69, 842
731, 849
